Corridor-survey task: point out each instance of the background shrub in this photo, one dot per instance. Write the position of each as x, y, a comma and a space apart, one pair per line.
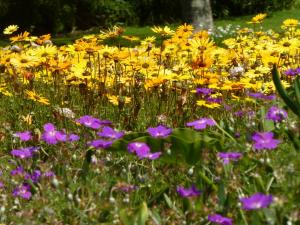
56, 16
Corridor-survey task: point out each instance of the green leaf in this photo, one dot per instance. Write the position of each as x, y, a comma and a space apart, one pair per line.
270, 215
282, 92
297, 89
170, 203
143, 214
125, 218
268, 125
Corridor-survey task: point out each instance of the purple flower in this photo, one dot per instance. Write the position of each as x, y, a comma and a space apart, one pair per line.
142, 150
262, 96
217, 218
228, 156
52, 136
24, 136
153, 156
73, 137
201, 123
160, 131
49, 174
126, 187
92, 122
24, 153
138, 148
18, 171
188, 192
204, 91
35, 176
214, 100
49, 135
242, 113
264, 140
61, 136
256, 201
276, 114
99, 143
22, 191
108, 132
292, 72
1, 185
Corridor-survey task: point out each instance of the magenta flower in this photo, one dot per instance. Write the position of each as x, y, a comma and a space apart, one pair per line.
264, 140
108, 132
24, 153
92, 122
142, 150
276, 114
1, 185
256, 201
229, 156
201, 123
24, 136
99, 143
188, 192
22, 191
217, 218
159, 131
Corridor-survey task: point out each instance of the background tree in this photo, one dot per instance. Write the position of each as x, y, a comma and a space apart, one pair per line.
201, 14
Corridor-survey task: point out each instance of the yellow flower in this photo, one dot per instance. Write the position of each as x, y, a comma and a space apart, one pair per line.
207, 104
185, 29
163, 31
21, 37
5, 92
35, 97
112, 33
24, 61
10, 29
290, 23
131, 38
154, 82
43, 39
148, 40
116, 100
258, 18
27, 119
202, 44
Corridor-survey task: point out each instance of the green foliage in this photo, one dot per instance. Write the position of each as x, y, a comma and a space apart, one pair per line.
293, 104
227, 8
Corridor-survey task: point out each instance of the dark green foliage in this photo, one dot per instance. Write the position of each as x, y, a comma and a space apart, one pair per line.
57, 16
227, 8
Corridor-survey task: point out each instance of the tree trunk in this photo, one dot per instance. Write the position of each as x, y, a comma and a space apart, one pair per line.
201, 14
